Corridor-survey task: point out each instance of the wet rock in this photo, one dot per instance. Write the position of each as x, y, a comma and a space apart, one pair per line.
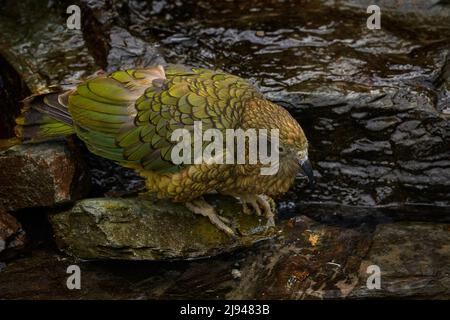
307, 260
37, 50
143, 229
12, 237
428, 8
107, 178
130, 52
40, 175
12, 90
112, 45
51, 53
414, 259
43, 275
110, 179
98, 19
388, 138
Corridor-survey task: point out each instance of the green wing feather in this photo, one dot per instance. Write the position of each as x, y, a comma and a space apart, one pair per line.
188, 94
129, 117
102, 108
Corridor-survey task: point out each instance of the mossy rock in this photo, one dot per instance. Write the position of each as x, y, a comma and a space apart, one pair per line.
142, 228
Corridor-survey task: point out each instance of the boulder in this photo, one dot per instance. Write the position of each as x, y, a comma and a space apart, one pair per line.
12, 237
40, 175
141, 228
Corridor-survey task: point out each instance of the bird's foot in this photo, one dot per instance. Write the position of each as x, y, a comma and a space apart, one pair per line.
260, 205
200, 206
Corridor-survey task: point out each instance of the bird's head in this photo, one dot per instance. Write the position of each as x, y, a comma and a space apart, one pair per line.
293, 148
293, 145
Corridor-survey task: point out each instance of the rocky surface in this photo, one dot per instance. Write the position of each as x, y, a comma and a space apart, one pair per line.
143, 229
12, 236
374, 105
308, 260
113, 46
42, 175
12, 90
40, 47
427, 8
414, 259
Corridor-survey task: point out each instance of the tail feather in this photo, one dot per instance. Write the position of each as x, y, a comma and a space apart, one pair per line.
44, 117
8, 143
51, 106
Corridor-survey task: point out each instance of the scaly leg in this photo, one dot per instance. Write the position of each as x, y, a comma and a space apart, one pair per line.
260, 205
200, 206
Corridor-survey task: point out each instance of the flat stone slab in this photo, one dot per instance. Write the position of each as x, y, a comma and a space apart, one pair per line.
144, 229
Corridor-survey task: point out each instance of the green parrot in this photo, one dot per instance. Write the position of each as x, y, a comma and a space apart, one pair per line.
129, 117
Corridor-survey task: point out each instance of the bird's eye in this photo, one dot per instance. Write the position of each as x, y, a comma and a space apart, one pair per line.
281, 149
301, 154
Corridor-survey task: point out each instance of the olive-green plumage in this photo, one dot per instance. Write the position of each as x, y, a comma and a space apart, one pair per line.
129, 117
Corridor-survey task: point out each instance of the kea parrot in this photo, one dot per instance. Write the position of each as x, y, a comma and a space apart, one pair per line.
128, 116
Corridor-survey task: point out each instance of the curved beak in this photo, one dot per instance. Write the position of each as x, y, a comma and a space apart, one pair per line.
308, 171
